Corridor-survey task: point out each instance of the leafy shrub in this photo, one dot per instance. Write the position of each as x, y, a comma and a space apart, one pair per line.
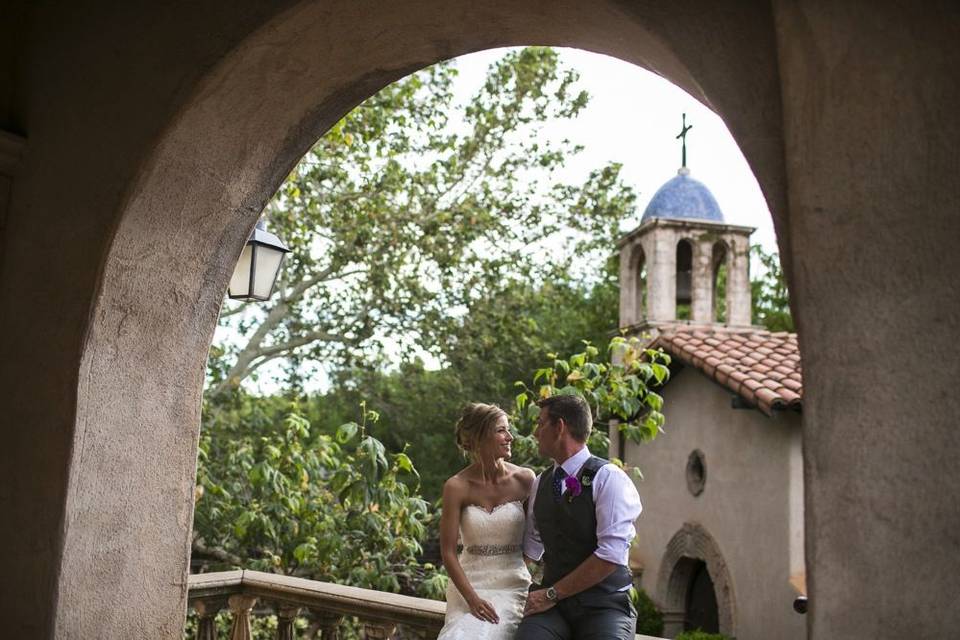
274, 497
702, 635
649, 617
618, 387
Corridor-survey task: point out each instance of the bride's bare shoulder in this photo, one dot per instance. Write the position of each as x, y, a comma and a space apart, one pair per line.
517, 470
457, 486
524, 474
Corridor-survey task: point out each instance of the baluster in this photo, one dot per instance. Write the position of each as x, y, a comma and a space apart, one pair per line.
207, 611
329, 625
429, 632
286, 621
240, 606
378, 630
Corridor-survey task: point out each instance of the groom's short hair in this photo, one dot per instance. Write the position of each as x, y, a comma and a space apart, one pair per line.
575, 412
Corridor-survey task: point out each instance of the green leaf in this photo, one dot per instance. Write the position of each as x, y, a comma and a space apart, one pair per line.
347, 431
376, 454
521, 400
660, 372
654, 401
403, 461
303, 551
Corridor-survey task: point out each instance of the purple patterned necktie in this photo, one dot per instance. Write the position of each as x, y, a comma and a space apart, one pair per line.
558, 477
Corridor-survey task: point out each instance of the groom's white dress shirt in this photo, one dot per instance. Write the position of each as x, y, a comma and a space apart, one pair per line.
617, 505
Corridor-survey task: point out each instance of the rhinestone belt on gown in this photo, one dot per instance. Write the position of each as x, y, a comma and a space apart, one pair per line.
493, 563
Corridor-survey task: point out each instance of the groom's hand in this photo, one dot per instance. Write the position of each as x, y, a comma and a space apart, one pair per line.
537, 603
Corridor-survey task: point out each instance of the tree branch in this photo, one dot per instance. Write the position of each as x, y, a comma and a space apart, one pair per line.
254, 351
307, 338
232, 312
219, 554
252, 359
251, 350
304, 285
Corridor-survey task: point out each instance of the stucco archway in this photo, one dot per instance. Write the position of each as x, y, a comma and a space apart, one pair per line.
213, 170
694, 542
156, 132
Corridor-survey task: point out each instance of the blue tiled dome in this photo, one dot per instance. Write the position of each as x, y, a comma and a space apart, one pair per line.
683, 198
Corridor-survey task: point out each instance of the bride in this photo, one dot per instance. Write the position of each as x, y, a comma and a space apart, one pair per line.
484, 503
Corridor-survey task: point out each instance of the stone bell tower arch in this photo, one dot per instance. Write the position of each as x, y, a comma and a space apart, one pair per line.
683, 253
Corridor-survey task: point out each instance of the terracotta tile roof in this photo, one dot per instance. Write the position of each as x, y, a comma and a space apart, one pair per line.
761, 367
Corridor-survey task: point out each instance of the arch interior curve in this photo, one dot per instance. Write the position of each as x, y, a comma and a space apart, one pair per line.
691, 543
204, 179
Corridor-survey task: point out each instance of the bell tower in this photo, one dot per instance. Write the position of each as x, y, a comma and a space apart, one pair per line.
684, 263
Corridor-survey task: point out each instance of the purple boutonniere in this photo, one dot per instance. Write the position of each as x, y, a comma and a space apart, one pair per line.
574, 488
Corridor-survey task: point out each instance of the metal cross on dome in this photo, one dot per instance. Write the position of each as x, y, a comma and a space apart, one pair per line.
682, 136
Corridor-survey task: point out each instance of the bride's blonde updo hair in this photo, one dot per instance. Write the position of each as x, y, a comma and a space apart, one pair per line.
477, 421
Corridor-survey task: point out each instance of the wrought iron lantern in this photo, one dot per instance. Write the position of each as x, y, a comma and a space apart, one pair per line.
259, 264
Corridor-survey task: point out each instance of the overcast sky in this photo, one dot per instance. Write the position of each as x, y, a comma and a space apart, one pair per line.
633, 118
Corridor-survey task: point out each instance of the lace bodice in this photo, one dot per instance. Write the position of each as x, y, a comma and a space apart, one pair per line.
501, 526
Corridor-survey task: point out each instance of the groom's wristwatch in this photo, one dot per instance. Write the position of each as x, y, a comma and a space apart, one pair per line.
551, 594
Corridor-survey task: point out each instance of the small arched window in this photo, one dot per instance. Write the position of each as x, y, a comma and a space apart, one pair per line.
720, 267
684, 279
640, 293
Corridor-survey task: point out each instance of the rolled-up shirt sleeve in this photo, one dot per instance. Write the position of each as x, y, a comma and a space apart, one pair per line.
532, 545
617, 506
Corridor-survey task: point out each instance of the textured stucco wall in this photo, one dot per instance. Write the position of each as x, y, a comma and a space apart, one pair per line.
873, 151
96, 86
745, 505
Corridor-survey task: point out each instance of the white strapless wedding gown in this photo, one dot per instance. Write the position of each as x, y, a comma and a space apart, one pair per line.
493, 561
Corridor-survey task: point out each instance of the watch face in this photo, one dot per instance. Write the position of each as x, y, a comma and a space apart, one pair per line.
551, 593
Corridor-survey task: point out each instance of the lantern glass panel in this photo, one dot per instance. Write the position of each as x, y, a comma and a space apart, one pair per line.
240, 281
267, 263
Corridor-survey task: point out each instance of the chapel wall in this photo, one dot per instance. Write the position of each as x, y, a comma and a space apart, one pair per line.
745, 504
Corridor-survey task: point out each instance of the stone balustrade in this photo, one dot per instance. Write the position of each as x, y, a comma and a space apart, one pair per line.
380, 613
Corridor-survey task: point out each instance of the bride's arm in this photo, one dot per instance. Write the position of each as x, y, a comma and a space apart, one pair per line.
454, 495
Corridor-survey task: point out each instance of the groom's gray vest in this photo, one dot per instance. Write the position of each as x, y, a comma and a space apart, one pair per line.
568, 529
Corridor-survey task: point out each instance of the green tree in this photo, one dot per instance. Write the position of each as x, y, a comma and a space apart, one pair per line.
502, 337
497, 341
273, 496
414, 207
422, 406
617, 385
771, 299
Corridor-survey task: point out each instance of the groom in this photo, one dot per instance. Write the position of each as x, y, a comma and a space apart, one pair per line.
580, 521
